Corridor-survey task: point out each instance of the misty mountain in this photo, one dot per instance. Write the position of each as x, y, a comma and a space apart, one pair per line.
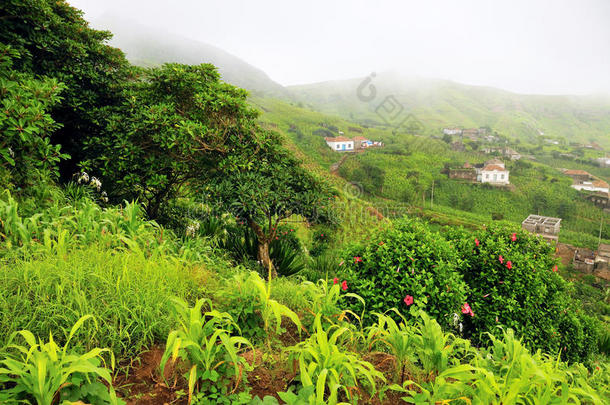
440, 103
147, 46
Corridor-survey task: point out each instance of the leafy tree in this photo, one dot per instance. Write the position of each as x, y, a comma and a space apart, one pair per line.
274, 190
178, 125
26, 152
54, 40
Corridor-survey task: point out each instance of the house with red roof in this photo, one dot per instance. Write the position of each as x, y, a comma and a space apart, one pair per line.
494, 172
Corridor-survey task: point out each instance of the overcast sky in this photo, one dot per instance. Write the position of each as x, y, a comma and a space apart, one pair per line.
527, 46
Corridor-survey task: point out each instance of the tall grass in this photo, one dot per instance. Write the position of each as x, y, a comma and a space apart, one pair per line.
128, 294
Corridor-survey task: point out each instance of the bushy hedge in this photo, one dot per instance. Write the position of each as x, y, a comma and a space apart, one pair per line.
506, 276
514, 283
407, 260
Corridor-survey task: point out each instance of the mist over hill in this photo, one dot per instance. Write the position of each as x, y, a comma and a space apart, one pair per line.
438, 103
148, 46
434, 103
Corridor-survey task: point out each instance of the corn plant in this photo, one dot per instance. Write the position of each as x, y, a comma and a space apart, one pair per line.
205, 342
44, 372
434, 348
508, 373
329, 369
452, 385
396, 337
326, 300
255, 305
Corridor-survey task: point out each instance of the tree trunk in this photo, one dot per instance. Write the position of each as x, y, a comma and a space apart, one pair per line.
263, 256
263, 248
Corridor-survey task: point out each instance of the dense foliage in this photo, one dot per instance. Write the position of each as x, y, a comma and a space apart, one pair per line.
474, 282
407, 260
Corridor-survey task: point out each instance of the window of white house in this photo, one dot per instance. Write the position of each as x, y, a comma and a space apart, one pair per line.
487, 176
337, 146
501, 177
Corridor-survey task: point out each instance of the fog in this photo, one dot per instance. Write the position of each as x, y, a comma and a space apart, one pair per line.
535, 47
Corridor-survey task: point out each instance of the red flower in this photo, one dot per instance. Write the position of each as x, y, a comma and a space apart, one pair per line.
514, 237
380, 243
357, 259
408, 300
509, 264
555, 268
344, 285
501, 259
466, 310
335, 280
476, 241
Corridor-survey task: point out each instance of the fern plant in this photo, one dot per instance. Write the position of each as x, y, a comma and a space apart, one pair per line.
44, 372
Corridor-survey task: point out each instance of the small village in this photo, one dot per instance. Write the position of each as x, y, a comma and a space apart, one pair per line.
344, 144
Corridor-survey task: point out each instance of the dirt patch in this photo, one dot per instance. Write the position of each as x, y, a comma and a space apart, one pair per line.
269, 376
143, 384
565, 253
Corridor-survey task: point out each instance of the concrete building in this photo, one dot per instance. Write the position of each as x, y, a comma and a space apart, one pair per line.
547, 227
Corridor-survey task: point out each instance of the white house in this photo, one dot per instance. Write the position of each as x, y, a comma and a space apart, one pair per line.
452, 131
494, 172
340, 144
596, 185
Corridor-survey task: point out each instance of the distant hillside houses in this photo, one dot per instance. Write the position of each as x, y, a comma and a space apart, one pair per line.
585, 181
344, 144
474, 134
492, 172
603, 162
504, 151
452, 131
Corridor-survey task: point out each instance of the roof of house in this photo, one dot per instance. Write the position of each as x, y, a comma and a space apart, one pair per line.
492, 168
494, 162
338, 139
360, 138
600, 184
576, 172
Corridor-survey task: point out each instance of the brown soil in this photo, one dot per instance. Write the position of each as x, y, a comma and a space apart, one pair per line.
143, 384
565, 253
268, 377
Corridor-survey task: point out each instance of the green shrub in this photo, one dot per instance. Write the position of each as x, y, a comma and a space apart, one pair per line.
512, 283
407, 260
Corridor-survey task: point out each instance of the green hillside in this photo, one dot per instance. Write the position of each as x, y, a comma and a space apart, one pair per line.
439, 103
404, 172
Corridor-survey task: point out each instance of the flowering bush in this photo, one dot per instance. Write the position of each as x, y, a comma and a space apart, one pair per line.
512, 282
408, 267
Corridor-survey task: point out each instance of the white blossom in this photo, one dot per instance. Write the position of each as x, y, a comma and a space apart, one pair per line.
82, 177
96, 183
192, 229
10, 152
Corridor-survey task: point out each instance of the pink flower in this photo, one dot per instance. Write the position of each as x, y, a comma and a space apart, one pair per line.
501, 259
357, 259
408, 300
555, 268
341, 264
514, 237
476, 241
496, 318
466, 310
509, 264
344, 285
335, 280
